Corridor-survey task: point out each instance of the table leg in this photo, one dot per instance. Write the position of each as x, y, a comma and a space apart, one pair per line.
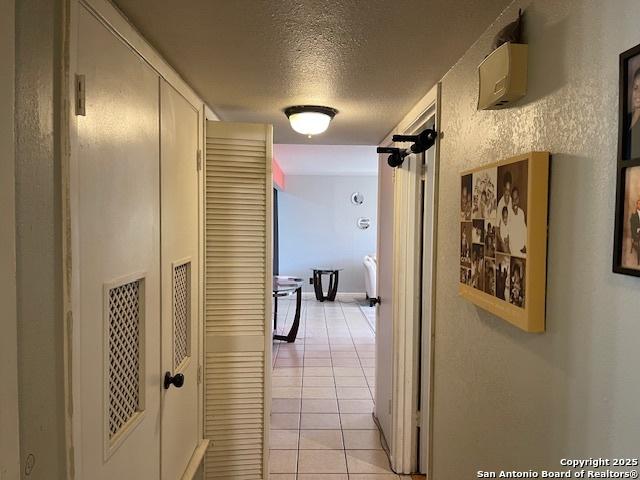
275, 313
293, 333
333, 290
330, 289
317, 286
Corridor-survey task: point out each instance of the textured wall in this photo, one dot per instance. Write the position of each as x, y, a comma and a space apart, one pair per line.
317, 224
9, 438
504, 398
38, 237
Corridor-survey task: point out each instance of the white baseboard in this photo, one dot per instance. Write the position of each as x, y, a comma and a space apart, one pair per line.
342, 296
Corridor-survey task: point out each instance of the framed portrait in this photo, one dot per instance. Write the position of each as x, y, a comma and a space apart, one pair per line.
503, 238
626, 249
629, 125
627, 230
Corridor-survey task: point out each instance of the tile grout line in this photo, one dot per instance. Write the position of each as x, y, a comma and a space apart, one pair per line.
303, 319
358, 355
363, 373
344, 443
360, 359
304, 350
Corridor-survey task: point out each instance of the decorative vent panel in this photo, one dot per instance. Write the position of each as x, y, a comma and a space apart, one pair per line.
124, 354
181, 313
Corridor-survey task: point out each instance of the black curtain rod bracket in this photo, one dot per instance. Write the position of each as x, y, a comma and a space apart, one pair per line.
421, 142
396, 156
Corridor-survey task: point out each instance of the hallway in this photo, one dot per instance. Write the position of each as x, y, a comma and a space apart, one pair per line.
323, 390
171, 166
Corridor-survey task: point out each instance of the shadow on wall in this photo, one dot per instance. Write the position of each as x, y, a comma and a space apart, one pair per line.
565, 371
551, 350
547, 70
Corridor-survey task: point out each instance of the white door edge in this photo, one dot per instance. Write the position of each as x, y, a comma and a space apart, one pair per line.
405, 315
408, 291
429, 255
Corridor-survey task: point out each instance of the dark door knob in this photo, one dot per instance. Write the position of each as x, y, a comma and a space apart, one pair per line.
177, 380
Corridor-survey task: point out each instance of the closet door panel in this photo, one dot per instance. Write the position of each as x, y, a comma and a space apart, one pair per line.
118, 254
179, 214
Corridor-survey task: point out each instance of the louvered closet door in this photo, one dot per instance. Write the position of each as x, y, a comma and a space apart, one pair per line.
238, 278
118, 252
238, 282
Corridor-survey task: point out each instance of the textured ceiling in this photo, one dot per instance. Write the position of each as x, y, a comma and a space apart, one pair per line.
370, 59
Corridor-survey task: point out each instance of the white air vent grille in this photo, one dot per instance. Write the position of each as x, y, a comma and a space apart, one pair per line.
125, 317
181, 313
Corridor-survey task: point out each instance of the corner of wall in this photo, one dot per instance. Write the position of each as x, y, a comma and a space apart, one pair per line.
39, 238
9, 412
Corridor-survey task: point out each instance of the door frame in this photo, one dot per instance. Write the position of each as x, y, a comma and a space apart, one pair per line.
120, 27
414, 285
428, 287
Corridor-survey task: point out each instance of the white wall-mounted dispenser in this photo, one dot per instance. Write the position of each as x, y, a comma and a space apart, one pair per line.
503, 76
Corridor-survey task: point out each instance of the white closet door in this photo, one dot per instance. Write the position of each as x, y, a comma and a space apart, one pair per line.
238, 286
179, 260
118, 260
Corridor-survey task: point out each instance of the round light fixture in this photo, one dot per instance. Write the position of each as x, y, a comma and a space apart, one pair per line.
310, 119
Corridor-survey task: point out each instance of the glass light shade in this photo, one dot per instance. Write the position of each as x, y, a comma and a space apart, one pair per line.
309, 123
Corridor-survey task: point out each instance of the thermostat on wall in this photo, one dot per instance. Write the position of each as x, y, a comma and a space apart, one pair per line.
503, 76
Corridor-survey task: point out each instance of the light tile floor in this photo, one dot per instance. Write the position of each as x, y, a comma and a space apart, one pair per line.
370, 314
323, 391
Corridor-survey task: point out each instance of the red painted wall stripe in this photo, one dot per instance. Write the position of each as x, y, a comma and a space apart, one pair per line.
278, 175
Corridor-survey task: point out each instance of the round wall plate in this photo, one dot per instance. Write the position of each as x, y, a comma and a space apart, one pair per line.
364, 223
357, 198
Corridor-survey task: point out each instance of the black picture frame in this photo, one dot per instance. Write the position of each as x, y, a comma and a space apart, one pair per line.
624, 164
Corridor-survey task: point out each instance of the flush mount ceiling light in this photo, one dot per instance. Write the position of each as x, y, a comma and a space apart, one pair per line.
310, 119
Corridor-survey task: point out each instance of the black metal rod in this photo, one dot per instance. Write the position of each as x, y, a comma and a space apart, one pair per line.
387, 150
404, 138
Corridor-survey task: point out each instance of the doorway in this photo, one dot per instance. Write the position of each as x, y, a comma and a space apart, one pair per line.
405, 326
323, 384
